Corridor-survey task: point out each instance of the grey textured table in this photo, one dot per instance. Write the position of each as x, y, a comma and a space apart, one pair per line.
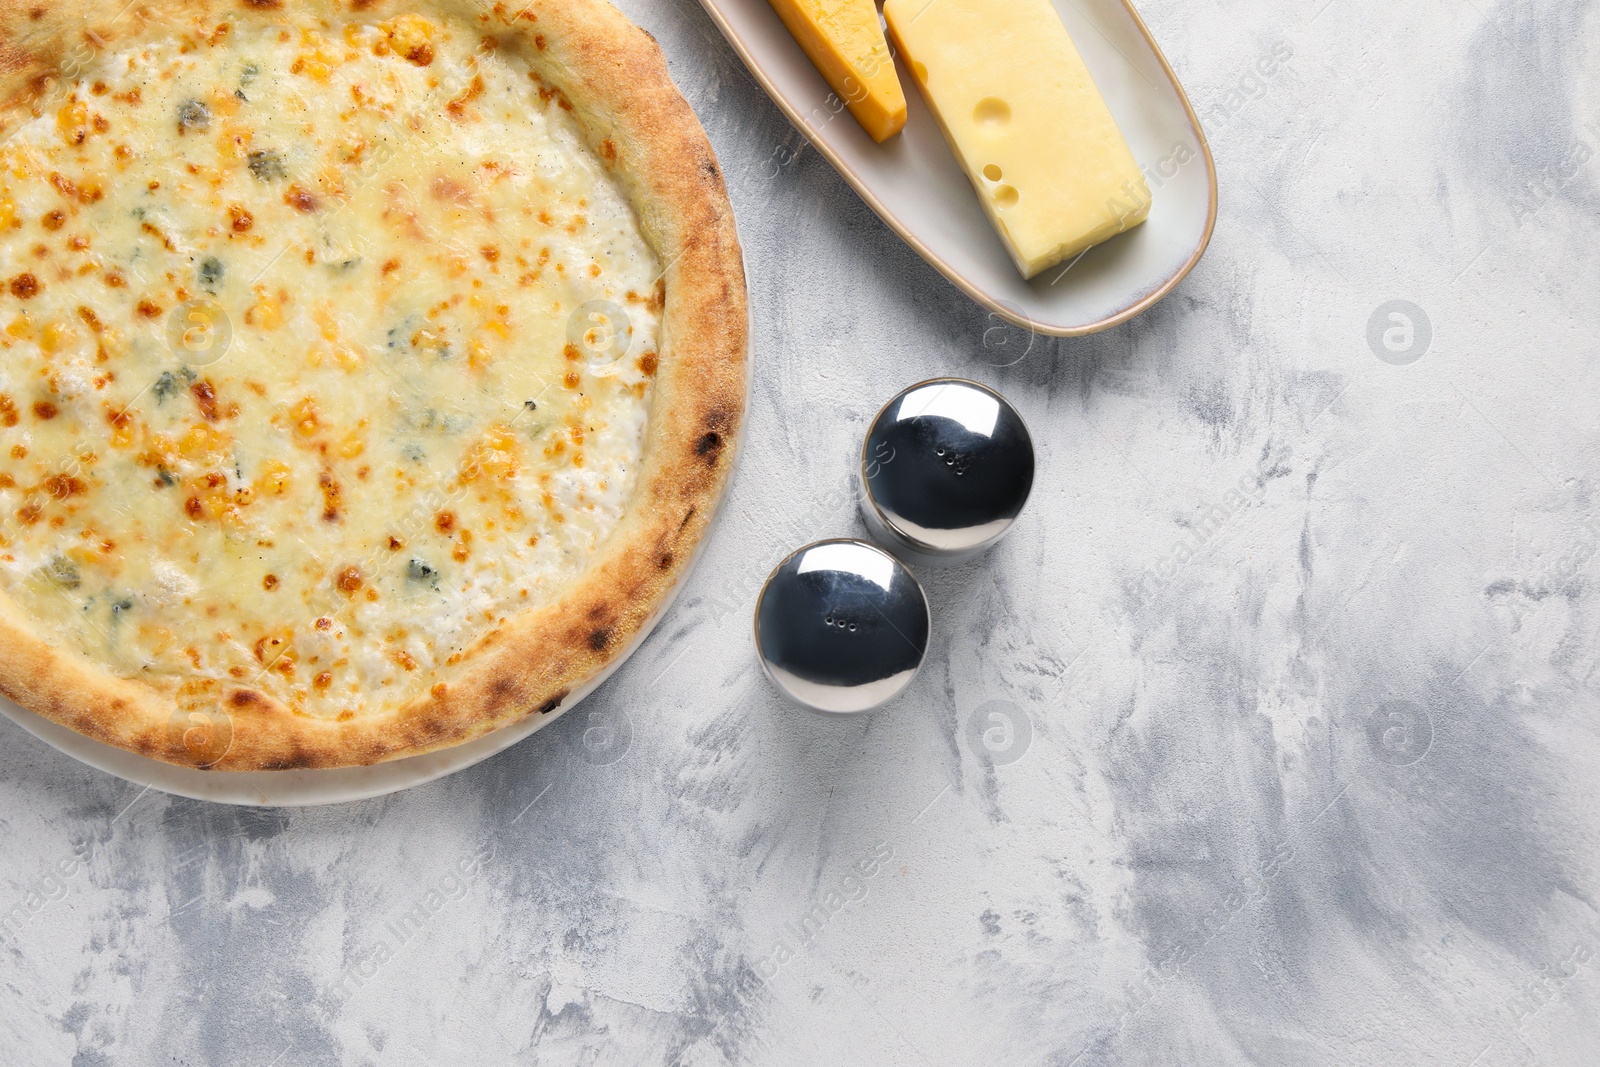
1269, 737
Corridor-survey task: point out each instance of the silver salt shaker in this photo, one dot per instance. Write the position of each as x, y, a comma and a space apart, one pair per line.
946, 468
841, 626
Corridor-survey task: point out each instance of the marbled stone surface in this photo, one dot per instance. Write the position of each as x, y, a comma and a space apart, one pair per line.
1268, 737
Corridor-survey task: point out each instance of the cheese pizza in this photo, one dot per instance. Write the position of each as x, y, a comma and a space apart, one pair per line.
369, 371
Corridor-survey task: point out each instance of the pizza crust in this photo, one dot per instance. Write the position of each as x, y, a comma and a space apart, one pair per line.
615, 76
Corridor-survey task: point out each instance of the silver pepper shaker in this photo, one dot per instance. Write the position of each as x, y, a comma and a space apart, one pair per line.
946, 468
841, 626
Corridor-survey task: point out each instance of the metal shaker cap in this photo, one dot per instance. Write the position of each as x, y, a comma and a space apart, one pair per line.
841, 626
946, 468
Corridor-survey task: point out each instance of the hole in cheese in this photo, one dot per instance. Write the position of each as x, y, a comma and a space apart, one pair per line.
991, 113
1005, 195
992, 172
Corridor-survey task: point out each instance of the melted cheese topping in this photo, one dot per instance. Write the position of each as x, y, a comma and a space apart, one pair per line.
325, 349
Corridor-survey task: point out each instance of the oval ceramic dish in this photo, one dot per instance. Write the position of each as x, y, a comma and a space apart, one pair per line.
914, 182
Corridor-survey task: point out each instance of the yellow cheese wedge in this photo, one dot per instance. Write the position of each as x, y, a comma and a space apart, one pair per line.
844, 39
1025, 119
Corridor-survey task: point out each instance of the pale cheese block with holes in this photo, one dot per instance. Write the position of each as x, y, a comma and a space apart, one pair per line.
1027, 122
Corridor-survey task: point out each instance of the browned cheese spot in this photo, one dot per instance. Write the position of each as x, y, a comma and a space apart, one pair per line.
205, 397
349, 580
300, 200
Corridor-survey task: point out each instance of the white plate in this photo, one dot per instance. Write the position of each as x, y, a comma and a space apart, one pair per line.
915, 184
